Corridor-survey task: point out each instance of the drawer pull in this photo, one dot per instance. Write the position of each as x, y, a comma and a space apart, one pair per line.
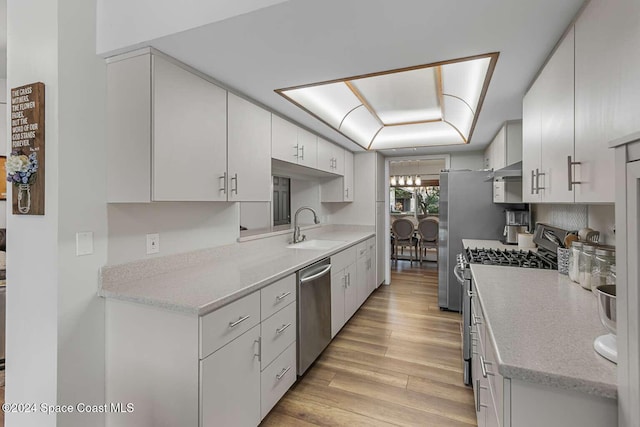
283, 373
283, 296
283, 328
237, 322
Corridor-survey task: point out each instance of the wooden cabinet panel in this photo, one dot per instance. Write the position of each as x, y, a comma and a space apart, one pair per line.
129, 130
308, 149
338, 285
284, 140
348, 176
556, 120
189, 135
249, 147
277, 379
607, 91
531, 134
277, 296
277, 333
225, 324
230, 383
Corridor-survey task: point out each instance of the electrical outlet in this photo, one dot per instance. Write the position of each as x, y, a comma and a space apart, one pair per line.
153, 243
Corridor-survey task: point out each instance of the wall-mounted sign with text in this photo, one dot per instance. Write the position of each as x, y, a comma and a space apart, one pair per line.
25, 164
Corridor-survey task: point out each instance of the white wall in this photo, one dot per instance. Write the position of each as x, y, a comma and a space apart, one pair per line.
255, 215
182, 227
143, 20
307, 193
4, 132
82, 189
32, 278
473, 160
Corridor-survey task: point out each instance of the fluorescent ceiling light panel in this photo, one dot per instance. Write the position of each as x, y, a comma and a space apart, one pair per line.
425, 105
410, 96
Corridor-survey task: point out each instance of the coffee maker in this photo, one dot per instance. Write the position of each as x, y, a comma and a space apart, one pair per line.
516, 221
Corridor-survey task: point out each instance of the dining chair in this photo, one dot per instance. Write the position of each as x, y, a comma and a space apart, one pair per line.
403, 231
428, 235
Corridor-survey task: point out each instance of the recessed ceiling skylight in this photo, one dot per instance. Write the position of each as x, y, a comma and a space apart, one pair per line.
425, 105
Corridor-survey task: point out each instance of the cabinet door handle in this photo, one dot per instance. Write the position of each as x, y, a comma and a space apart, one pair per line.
347, 192
283, 296
259, 353
240, 320
283, 373
234, 188
349, 278
282, 328
538, 175
570, 173
297, 150
533, 177
224, 183
302, 156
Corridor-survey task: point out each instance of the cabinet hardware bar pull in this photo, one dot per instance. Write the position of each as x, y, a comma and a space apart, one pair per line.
283, 373
297, 150
259, 355
302, 156
224, 183
538, 175
283, 328
234, 188
533, 177
483, 367
237, 322
570, 173
283, 296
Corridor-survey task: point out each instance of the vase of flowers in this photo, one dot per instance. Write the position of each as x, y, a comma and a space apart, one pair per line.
21, 171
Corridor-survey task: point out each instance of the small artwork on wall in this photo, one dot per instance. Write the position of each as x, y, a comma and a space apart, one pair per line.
3, 182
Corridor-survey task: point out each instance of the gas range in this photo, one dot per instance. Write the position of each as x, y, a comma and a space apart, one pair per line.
512, 258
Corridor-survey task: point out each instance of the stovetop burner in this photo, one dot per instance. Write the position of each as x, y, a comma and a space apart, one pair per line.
514, 258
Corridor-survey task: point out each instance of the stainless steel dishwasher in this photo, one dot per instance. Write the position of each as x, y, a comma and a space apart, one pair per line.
314, 312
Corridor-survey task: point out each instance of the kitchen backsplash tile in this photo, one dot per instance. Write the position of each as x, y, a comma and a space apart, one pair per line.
574, 217
569, 217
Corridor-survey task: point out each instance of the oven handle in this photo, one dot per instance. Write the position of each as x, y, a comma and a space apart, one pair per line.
458, 273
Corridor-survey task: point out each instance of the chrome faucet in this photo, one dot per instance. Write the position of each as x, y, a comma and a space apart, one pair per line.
297, 238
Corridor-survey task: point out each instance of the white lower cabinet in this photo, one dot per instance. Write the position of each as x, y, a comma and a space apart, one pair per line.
226, 368
277, 378
507, 402
230, 383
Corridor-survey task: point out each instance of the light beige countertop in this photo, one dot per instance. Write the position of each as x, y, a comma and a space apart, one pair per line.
542, 327
201, 281
492, 244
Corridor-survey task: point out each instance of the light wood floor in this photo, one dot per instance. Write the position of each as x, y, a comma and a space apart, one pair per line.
396, 362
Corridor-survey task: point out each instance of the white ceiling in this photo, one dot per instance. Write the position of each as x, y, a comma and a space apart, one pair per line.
306, 41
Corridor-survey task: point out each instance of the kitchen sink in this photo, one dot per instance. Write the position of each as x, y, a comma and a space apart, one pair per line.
316, 244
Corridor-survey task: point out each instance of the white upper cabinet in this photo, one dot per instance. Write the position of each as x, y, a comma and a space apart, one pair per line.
330, 157
506, 147
189, 135
284, 140
293, 144
308, 149
249, 151
170, 137
340, 189
607, 91
556, 122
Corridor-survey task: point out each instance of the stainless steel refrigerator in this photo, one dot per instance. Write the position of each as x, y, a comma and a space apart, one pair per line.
466, 211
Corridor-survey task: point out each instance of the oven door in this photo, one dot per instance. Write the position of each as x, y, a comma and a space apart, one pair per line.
463, 274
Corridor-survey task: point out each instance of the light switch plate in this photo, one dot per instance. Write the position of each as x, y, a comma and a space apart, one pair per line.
84, 243
153, 243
